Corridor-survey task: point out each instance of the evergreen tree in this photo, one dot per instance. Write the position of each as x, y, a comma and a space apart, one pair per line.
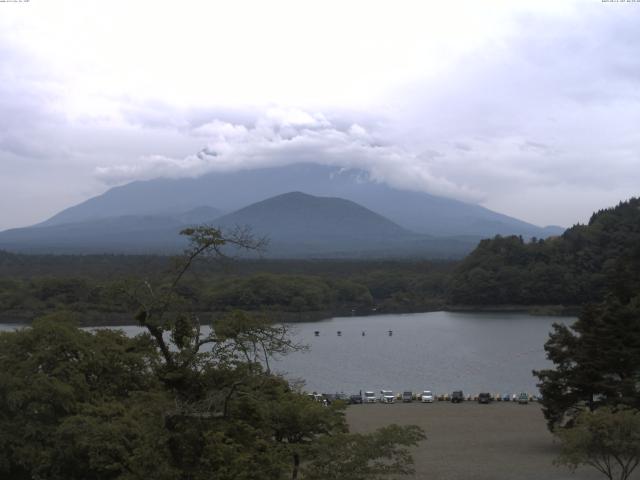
597, 361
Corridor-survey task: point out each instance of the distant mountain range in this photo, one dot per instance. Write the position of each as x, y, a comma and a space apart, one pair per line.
341, 213
123, 234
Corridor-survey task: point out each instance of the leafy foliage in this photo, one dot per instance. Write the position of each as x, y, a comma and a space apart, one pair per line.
94, 286
607, 440
176, 403
349, 457
64, 392
576, 268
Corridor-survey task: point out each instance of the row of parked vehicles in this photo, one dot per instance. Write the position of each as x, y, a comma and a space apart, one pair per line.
387, 396
427, 396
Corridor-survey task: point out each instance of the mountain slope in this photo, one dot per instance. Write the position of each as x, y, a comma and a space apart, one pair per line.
416, 211
121, 234
297, 225
300, 216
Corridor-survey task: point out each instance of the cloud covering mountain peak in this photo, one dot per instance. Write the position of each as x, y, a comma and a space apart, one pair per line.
288, 136
521, 106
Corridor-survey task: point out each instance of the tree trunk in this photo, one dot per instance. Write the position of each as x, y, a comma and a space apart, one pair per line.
296, 466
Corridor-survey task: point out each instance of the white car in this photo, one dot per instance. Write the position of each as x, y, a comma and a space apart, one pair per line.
369, 397
316, 397
427, 396
387, 396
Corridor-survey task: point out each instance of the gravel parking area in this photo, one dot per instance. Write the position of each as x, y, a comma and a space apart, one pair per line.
468, 441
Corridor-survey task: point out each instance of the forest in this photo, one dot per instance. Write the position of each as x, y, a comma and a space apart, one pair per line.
565, 271
96, 286
576, 268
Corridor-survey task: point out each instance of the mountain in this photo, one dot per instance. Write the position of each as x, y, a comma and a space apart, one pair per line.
120, 234
198, 215
297, 225
229, 191
302, 217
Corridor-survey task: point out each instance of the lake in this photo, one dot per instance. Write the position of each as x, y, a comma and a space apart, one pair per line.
439, 351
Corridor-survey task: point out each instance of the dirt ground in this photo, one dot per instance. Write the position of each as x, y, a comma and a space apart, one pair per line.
475, 442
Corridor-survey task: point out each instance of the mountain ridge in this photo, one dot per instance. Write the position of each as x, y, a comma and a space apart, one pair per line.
297, 224
229, 191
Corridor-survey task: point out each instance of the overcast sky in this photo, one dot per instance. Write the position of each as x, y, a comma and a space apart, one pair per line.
530, 108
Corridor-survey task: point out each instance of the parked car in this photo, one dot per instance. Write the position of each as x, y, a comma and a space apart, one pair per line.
407, 396
315, 397
523, 398
387, 396
369, 397
457, 396
484, 398
329, 398
355, 399
343, 397
506, 397
427, 397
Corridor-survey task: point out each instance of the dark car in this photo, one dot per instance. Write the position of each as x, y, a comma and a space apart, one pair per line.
407, 396
355, 399
457, 396
329, 398
484, 398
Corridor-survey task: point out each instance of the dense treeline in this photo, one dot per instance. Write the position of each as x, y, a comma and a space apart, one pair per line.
99, 287
574, 269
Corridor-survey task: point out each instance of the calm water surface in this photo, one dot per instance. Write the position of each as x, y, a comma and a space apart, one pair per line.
439, 351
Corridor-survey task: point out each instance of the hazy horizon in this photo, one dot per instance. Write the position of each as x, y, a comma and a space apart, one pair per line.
529, 109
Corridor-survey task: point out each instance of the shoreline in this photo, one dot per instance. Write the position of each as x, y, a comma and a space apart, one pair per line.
540, 310
120, 319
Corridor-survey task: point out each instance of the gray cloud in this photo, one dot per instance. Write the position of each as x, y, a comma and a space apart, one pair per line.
286, 136
545, 116
555, 106
159, 114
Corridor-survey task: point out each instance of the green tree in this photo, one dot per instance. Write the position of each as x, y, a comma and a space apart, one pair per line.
65, 394
582, 265
597, 361
226, 397
364, 457
607, 440
183, 401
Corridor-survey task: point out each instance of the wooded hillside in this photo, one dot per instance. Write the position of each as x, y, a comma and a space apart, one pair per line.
572, 269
